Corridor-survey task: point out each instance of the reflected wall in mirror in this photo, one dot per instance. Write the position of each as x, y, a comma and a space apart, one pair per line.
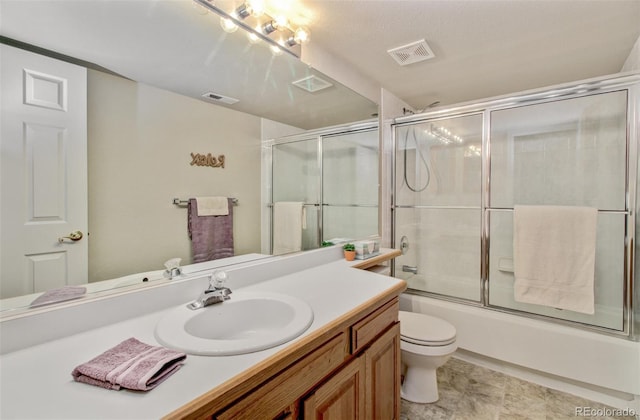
333, 175
142, 128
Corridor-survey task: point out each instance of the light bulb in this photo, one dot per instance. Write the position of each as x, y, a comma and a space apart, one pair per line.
257, 7
276, 50
228, 25
281, 22
301, 35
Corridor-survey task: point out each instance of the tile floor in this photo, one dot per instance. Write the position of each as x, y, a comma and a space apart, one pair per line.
472, 392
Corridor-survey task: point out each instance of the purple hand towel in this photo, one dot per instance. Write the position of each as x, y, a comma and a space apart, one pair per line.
131, 364
211, 236
59, 295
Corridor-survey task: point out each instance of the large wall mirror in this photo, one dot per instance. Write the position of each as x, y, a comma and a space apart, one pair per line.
147, 65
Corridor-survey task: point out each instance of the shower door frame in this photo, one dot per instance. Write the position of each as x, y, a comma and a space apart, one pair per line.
624, 82
317, 136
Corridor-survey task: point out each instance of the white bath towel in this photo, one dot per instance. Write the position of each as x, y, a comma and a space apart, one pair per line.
288, 222
212, 206
554, 250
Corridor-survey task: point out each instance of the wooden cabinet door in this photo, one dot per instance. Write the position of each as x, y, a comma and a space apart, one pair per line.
383, 366
341, 397
279, 397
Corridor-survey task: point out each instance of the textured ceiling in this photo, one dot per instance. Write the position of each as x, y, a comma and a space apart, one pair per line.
483, 48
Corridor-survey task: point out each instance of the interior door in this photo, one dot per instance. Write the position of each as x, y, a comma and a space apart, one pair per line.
43, 148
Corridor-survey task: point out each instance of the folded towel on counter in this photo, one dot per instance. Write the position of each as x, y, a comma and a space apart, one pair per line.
131, 364
212, 206
59, 295
554, 252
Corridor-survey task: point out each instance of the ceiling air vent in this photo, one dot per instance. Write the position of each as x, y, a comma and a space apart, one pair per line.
312, 83
412, 53
220, 98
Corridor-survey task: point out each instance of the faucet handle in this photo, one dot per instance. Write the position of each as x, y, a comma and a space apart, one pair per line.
218, 279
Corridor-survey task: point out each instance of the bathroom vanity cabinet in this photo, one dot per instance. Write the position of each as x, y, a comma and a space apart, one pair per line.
350, 370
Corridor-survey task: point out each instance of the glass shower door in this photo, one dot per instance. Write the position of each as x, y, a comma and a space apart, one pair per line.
437, 207
350, 185
565, 153
296, 178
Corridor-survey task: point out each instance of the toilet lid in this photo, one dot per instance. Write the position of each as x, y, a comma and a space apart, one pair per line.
425, 329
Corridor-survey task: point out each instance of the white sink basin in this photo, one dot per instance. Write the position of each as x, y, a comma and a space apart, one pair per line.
246, 323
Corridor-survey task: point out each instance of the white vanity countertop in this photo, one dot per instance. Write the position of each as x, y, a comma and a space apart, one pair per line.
36, 381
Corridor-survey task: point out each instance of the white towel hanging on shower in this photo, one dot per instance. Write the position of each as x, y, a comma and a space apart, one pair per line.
288, 222
554, 251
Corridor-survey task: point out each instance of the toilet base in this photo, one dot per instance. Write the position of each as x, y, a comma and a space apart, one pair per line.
420, 385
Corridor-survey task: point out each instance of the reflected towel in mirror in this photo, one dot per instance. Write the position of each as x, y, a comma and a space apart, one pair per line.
289, 219
211, 236
212, 206
59, 295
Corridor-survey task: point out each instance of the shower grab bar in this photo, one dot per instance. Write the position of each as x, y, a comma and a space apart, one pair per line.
185, 203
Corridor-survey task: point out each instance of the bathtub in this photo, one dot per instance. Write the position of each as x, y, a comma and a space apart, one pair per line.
589, 364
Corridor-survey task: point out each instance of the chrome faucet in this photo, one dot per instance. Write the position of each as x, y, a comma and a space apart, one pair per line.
217, 292
410, 269
173, 272
172, 268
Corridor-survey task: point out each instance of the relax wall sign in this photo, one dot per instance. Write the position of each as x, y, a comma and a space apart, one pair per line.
207, 160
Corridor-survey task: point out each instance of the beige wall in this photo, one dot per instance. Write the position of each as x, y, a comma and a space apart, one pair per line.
140, 140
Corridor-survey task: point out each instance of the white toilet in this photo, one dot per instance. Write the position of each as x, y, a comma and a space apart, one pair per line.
426, 343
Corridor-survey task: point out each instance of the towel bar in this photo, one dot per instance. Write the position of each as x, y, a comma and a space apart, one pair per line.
184, 203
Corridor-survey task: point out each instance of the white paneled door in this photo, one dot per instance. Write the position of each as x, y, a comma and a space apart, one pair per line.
43, 140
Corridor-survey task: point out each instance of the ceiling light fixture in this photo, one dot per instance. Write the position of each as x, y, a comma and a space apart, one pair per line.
254, 17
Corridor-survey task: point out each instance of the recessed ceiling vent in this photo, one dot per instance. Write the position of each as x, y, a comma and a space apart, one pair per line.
312, 84
412, 53
220, 98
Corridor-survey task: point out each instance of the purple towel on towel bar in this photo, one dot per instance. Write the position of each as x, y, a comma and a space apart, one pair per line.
131, 364
211, 236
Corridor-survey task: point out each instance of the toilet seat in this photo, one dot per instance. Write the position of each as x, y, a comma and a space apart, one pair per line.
425, 330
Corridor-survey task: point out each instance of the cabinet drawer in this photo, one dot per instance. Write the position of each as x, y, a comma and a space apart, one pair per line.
368, 328
276, 397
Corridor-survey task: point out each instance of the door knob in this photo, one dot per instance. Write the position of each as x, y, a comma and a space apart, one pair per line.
74, 236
